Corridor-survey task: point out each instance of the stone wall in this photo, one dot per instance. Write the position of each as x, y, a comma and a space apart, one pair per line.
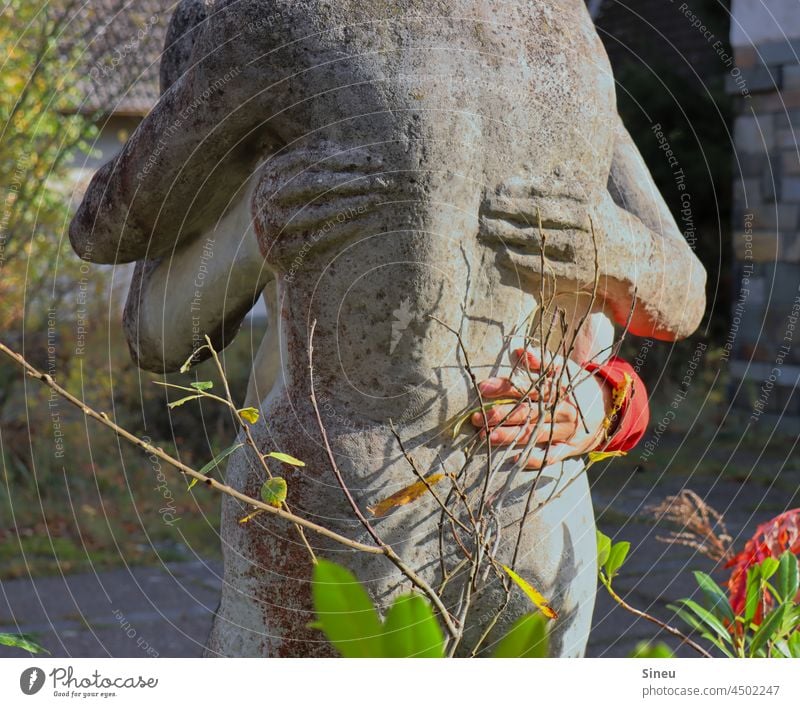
763, 344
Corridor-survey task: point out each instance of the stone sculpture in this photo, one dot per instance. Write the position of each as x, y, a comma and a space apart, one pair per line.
375, 167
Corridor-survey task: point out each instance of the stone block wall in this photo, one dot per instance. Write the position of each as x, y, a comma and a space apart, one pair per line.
763, 344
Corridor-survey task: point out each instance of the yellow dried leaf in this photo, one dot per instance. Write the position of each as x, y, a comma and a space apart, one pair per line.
533, 594
599, 456
249, 517
404, 496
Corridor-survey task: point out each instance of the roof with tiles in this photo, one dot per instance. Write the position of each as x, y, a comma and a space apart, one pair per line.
121, 42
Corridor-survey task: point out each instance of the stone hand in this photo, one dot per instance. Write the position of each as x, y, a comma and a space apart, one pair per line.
574, 404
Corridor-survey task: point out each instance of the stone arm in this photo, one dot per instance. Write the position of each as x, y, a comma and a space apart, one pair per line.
176, 201
206, 287
642, 250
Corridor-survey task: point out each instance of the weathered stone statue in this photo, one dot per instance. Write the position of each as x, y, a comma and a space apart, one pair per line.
368, 166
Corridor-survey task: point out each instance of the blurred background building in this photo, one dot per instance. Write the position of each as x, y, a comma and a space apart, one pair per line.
764, 83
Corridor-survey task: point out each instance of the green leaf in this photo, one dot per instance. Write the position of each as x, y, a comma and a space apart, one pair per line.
780, 649
345, 612
794, 644
603, 549
693, 621
791, 620
769, 566
707, 618
202, 385
216, 460
411, 630
250, 415
753, 592
616, 558
285, 458
645, 649
717, 599
23, 641
768, 629
788, 578
180, 402
273, 491
700, 627
527, 639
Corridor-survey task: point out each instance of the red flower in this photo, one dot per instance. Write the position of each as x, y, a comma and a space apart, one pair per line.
772, 539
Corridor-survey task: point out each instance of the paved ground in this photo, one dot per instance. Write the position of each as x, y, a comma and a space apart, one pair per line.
131, 613
167, 611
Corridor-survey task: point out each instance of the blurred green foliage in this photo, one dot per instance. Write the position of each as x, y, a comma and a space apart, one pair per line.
40, 131
346, 615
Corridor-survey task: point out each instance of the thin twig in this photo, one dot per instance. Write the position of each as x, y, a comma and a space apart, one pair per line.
479, 395
103, 419
250, 439
658, 622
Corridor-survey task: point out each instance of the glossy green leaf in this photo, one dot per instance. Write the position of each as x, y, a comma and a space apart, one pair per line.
645, 649
285, 458
707, 618
274, 491
23, 641
411, 630
794, 644
691, 620
791, 619
345, 612
603, 549
616, 558
787, 579
202, 385
214, 463
753, 592
769, 566
701, 628
768, 630
780, 649
527, 639
716, 598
